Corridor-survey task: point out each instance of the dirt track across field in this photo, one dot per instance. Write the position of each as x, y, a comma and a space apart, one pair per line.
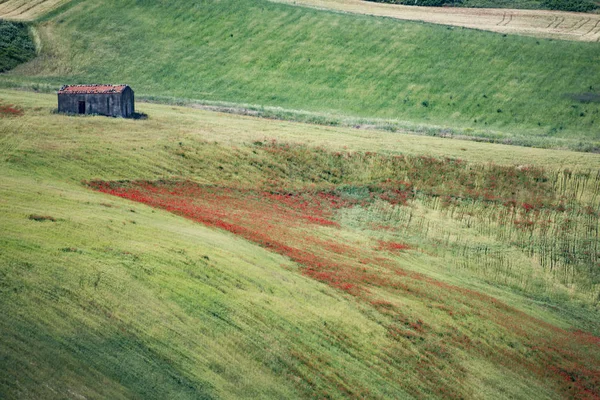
26, 10
539, 23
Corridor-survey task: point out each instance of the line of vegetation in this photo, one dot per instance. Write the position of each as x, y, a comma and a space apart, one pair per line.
378, 124
477, 135
16, 44
324, 62
560, 5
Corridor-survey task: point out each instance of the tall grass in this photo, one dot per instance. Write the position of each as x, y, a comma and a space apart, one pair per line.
492, 219
298, 225
374, 294
268, 54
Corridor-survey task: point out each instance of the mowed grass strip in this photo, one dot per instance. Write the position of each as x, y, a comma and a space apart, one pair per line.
270, 54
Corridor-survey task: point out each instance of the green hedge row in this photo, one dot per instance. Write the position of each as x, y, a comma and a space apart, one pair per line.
563, 5
16, 44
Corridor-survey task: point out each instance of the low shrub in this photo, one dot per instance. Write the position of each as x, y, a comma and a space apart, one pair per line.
16, 45
570, 5
41, 218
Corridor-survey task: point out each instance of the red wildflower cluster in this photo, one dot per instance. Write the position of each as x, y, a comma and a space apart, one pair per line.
8, 110
301, 225
392, 246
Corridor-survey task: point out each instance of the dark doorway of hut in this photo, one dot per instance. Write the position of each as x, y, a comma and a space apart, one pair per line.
82, 107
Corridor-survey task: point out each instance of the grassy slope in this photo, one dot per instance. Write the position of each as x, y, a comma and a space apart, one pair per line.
116, 299
297, 58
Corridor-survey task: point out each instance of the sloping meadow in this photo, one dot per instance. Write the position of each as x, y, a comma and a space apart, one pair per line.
199, 259
361, 222
331, 66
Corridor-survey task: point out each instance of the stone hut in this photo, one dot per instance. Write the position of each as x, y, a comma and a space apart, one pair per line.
109, 100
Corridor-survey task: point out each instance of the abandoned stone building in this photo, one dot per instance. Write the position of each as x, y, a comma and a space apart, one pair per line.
110, 100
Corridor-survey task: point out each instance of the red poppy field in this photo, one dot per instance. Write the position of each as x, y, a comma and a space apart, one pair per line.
368, 258
207, 255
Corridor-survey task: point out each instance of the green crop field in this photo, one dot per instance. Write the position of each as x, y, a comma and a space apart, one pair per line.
107, 297
517, 89
297, 213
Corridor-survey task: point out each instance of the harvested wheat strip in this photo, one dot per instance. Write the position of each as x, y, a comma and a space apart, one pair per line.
584, 23
594, 33
577, 24
592, 28
509, 20
538, 23
24, 7
560, 21
27, 10
12, 7
502, 21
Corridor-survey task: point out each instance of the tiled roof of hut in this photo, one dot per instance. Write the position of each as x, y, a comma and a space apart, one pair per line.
92, 89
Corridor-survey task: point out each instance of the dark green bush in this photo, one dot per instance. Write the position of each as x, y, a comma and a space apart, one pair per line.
563, 5
428, 3
570, 5
16, 45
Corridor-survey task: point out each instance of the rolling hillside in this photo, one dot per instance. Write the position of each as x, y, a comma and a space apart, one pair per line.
103, 296
198, 254
455, 80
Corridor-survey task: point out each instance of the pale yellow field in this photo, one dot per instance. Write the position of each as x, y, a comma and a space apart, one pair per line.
26, 10
172, 123
539, 23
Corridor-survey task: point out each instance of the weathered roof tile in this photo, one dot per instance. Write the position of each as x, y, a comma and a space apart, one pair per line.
92, 89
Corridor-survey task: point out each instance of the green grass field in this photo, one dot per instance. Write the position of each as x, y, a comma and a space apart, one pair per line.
456, 81
103, 297
316, 247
